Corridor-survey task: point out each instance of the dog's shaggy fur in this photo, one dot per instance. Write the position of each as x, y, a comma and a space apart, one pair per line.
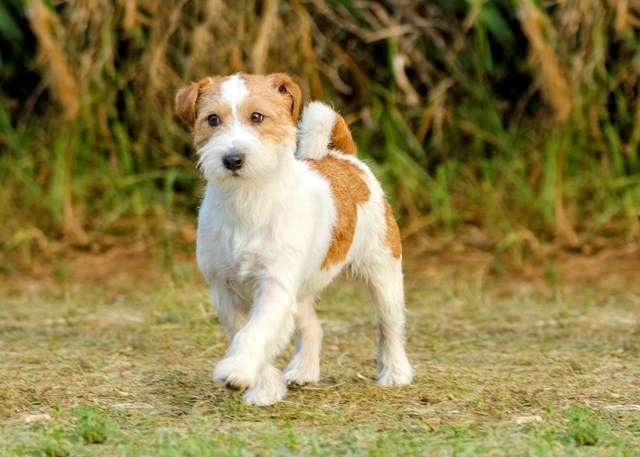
276, 226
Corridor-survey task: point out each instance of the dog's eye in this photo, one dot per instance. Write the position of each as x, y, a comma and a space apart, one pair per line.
257, 118
214, 120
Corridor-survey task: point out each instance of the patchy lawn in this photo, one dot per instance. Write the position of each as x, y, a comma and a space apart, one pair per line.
113, 357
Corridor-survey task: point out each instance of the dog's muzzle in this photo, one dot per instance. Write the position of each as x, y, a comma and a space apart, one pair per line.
233, 161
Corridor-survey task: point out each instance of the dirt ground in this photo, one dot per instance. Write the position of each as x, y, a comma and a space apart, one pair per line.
611, 265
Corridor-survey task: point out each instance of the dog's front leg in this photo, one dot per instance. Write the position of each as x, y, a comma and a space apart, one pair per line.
232, 309
247, 365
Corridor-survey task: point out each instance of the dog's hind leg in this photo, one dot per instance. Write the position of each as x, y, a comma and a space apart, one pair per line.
305, 365
384, 281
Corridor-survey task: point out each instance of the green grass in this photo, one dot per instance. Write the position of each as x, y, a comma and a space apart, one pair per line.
91, 426
584, 428
121, 363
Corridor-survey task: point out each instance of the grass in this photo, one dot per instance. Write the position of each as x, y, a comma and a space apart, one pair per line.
120, 364
584, 428
91, 426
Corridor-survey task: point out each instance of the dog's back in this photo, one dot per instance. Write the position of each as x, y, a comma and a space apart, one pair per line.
325, 142
365, 236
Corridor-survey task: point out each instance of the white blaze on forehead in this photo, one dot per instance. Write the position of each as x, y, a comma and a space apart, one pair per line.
234, 91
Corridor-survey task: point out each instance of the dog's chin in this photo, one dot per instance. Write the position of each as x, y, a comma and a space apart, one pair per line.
232, 174
224, 177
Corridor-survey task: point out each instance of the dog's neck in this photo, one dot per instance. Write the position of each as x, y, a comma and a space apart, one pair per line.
256, 202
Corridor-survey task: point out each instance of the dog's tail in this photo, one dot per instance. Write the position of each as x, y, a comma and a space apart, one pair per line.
322, 130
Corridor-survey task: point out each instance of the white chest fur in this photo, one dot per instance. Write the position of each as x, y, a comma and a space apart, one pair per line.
284, 232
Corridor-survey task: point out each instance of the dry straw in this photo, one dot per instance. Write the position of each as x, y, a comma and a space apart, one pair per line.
60, 73
543, 38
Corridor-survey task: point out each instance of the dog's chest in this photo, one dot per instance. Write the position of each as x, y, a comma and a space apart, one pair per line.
232, 252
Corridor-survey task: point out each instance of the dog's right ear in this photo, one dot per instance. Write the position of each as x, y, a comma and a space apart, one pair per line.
285, 86
187, 98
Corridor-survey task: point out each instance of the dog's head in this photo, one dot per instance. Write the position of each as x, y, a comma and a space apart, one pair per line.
244, 126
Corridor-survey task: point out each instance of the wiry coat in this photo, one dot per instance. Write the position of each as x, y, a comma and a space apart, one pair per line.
276, 225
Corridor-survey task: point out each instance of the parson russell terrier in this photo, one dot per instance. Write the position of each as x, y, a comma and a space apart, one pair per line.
276, 226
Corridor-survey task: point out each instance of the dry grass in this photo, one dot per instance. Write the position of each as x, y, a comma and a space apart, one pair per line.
504, 366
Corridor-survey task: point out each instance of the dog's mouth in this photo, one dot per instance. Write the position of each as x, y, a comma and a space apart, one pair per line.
233, 173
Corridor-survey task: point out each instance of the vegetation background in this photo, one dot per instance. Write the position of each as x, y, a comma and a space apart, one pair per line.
515, 124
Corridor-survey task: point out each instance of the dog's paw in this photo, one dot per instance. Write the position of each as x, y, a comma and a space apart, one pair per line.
269, 389
302, 371
398, 373
235, 373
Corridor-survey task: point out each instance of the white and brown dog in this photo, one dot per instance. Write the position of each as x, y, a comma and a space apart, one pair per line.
275, 227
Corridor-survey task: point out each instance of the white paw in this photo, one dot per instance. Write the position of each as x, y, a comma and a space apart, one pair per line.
397, 373
235, 373
269, 389
302, 371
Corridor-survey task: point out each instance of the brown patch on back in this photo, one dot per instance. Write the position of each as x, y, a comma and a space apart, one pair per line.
341, 139
393, 233
349, 190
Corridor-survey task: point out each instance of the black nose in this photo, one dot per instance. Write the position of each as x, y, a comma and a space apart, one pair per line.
233, 161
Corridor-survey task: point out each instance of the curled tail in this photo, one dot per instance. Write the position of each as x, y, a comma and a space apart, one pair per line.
321, 130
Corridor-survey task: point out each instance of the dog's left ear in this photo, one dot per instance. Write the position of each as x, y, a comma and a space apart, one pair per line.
186, 100
285, 86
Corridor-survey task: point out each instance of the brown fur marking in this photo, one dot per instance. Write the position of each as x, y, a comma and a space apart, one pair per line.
349, 190
286, 86
187, 98
393, 233
341, 139
275, 96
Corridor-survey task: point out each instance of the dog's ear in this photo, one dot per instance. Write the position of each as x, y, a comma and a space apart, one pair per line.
187, 98
285, 86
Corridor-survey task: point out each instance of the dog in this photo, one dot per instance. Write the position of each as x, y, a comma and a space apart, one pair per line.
286, 208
